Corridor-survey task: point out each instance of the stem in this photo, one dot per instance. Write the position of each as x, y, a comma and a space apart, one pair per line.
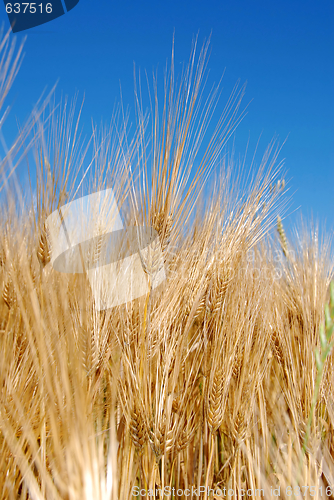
209, 467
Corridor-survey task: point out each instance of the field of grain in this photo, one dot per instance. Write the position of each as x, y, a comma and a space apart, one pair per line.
218, 383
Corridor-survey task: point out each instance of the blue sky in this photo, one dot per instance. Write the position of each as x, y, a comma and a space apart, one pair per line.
284, 50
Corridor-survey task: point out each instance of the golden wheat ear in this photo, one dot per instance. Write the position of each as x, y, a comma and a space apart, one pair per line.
282, 236
8, 293
163, 226
44, 247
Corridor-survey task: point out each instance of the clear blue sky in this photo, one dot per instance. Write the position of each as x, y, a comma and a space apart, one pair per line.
283, 49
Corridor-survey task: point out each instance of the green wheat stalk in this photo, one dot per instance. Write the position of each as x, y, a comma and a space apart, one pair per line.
326, 344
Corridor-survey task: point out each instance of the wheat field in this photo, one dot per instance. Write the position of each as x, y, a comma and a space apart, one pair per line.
219, 382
